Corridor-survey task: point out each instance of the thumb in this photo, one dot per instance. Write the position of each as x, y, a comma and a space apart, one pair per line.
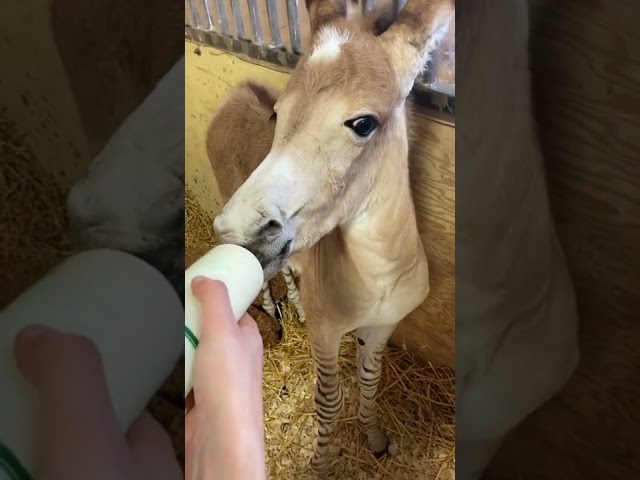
77, 421
217, 314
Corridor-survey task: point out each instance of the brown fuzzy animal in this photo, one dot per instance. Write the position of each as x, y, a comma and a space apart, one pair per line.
249, 108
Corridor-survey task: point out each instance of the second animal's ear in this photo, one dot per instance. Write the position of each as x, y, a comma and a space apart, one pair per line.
325, 12
413, 37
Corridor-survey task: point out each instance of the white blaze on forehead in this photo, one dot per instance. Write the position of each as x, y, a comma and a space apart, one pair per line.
329, 44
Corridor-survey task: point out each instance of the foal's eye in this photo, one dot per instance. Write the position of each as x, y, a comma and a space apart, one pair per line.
363, 126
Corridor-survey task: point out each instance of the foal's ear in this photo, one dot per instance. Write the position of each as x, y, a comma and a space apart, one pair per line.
325, 12
413, 37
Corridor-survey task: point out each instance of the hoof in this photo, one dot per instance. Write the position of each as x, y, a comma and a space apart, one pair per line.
320, 473
382, 452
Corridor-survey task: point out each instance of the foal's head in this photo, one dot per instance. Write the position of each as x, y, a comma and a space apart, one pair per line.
342, 108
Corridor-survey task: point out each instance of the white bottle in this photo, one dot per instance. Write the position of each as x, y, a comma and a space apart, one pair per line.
240, 271
125, 306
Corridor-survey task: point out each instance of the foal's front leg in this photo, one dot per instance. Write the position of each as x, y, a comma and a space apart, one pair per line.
371, 343
267, 300
293, 293
328, 400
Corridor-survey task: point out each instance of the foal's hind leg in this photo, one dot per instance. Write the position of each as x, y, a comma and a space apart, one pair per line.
293, 293
325, 346
267, 300
371, 342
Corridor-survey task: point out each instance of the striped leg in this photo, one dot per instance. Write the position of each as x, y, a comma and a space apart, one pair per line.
371, 343
328, 397
293, 293
267, 300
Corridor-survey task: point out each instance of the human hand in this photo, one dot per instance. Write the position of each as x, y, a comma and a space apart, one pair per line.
224, 431
79, 436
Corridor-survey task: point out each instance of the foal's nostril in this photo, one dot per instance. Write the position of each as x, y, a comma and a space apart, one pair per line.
285, 249
270, 228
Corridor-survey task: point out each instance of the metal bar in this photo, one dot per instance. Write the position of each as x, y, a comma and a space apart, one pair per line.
223, 22
367, 6
274, 23
207, 12
237, 18
438, 99
294, 25
256, 27
193, 9
288, 60
282, 60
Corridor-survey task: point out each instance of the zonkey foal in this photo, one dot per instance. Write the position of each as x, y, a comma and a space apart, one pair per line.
332, 193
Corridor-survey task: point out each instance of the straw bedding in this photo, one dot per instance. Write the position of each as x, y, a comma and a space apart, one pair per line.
33, 229
416, 402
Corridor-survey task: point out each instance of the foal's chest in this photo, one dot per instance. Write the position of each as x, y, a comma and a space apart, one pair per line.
363, 298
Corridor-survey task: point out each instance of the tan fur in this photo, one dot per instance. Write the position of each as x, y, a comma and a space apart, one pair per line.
382, 255
356, 240
246, 113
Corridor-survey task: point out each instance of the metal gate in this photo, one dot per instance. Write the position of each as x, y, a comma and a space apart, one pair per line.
272, 31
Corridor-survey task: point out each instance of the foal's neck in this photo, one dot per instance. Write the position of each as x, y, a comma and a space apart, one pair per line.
363, 261
385, 226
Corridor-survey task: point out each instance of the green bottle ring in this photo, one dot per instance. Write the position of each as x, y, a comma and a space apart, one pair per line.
11, 465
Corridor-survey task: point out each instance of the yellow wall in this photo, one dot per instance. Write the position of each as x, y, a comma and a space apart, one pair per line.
35, 98
429, 331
